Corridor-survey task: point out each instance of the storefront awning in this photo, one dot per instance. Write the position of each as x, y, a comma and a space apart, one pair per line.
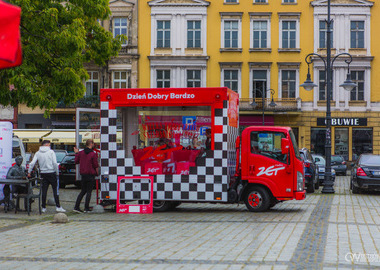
59, 136
30, 136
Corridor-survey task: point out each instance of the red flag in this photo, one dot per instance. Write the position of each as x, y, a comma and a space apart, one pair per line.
10, 41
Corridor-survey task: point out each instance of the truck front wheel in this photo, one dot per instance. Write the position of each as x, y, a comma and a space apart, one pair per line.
257, 199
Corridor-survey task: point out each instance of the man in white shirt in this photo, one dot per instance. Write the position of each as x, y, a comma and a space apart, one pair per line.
49, 170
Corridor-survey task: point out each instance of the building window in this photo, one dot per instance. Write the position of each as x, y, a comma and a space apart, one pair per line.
260, 29
260, 1
357, 34
231, 34
231, 79
92, 84
163, 34
323, 86
317, 141
289, 34
259, 83
231, 1
288, 83
120, 28
358, 92
323, 34
193, 34
362, 139
193, 78
288, 1
121, 79
163, 78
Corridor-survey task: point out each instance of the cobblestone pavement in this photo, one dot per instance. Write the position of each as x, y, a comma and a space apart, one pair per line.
323, 232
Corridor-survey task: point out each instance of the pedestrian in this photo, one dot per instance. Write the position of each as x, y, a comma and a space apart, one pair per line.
88, 168
208, 139
47, 162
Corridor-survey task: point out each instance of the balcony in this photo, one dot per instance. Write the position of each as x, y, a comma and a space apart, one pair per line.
85, 102
282, 104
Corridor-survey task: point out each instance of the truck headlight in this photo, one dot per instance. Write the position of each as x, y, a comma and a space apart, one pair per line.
300, 182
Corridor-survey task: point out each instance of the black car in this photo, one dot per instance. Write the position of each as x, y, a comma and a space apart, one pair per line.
311, 171
339, 165
365, 173
67, 171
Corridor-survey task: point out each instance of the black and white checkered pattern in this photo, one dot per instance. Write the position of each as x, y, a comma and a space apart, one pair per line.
136, 189
208, 181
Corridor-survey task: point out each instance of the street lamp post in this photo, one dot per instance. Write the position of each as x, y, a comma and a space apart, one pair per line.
271, 104
347, 85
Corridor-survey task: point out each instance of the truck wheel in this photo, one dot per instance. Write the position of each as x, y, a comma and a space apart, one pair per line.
310, 188
257, 199
316, 185
161, 206
174, 205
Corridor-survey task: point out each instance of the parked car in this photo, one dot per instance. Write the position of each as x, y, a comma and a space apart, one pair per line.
365, 173
60, 154
67, 173
18, 150
321, 162
311, 171
339, 165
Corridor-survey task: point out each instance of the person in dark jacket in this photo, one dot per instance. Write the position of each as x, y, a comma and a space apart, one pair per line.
88, 169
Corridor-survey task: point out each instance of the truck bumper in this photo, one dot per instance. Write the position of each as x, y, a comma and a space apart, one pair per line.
300, 195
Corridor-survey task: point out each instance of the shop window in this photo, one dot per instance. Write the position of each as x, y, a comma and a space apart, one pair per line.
318, 141
267, 144
362, 141
341, 142
167, 140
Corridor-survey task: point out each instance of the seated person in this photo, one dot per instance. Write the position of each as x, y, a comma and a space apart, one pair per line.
17, 172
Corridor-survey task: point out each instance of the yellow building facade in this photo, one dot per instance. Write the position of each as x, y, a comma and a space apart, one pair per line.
258, 48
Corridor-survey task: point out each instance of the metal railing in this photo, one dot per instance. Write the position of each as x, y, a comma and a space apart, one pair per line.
282, 104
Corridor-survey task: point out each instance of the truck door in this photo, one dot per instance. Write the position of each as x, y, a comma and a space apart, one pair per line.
267, 164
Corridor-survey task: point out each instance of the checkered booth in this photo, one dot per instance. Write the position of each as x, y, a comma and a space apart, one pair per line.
208, 181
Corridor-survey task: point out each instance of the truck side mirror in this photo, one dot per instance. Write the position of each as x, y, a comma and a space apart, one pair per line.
284, 146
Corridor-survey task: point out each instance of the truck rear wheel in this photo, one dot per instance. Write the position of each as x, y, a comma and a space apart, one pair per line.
161, 206
257, 199
310, 187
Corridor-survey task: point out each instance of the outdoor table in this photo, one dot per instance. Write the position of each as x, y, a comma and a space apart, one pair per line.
7, 197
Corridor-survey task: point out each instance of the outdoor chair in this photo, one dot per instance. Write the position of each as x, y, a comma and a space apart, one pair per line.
34, 192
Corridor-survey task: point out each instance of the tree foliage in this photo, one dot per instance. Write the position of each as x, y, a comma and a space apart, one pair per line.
57, 39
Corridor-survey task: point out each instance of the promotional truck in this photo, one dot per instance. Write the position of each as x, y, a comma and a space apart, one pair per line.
188, 139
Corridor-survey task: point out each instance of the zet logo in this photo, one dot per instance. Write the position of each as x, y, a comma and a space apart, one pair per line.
270, 170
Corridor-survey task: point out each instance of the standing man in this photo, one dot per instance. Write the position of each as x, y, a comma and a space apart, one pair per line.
49, 170
88, 168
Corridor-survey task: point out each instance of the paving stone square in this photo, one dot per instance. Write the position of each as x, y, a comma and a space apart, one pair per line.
335, 231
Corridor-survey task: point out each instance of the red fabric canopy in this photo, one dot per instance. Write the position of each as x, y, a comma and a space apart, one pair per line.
10, 41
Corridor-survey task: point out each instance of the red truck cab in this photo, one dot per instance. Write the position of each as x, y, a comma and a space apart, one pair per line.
271, 169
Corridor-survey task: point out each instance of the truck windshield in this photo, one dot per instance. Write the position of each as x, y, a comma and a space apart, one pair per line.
295, 145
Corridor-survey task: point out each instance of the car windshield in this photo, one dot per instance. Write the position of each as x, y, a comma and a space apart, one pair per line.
370, 160
319, 160
336, 159
69, 160
60, 156
295, 145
